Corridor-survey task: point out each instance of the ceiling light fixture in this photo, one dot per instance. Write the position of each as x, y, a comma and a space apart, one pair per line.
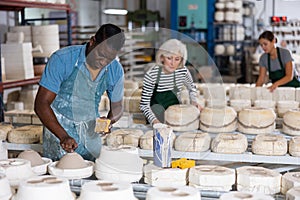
115, 11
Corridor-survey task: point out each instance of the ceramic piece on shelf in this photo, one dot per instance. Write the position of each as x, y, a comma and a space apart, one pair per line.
285, 106
16, 170
219, 49
100, 190
5, 190
38, 164
33, 156
71, 166
219, 16
71, 161
230, 49
44, 187
236, 195
220, 5
121, 164
290, 123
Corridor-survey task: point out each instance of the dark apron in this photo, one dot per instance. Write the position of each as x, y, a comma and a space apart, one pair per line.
160, 101
279, 74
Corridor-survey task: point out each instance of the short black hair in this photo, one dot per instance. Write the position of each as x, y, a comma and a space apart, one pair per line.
115, 33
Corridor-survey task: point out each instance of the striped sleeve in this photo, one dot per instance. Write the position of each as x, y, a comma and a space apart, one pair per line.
147, 91
191, 87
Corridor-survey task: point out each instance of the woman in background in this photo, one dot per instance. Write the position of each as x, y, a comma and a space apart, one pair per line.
278, 62
165, 80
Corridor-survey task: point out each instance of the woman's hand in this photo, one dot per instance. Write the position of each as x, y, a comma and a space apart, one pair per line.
155, 121
200, 108
273, 87
68, 144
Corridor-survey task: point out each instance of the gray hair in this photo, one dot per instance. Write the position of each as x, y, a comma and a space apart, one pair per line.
172, 46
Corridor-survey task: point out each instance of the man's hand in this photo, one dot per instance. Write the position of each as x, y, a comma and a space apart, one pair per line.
103, 126
68, 144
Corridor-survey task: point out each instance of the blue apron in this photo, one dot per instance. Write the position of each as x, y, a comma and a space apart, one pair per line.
76, 108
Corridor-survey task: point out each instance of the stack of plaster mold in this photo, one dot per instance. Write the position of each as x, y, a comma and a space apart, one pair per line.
270, 145
119, 164
294, 146
218, 119
28, 134
146, 140
291, 122
182, 117
263, 98
212, 177
229, 143
289, 180
285, 100
258, 179
193, 142
256, 120
215, 95
124, 136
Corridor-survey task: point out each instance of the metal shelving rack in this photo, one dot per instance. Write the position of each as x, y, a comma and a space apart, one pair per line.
246, 157
19, 6
240, 46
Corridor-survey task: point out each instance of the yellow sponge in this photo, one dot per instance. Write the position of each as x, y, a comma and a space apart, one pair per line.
183, 163
102, 125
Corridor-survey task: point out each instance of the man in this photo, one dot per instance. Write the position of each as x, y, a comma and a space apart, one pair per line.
70, 91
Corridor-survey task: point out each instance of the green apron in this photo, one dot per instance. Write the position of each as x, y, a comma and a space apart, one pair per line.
279, 74
160, 101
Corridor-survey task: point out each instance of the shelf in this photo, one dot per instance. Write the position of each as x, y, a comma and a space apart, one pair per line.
227, 24
18, 5
22, 147
18, 83
229, 41
245, 157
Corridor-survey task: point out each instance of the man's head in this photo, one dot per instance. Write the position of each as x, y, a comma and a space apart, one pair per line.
104, 46
113, 34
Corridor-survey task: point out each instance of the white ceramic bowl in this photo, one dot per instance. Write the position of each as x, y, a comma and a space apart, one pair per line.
219, 16
121, 164
16, 170
84, 172
220, 5
5, 190
219, 49
99, 190
44, 187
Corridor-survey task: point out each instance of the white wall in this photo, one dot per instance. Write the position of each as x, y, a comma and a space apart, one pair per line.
281, 8
88, 12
